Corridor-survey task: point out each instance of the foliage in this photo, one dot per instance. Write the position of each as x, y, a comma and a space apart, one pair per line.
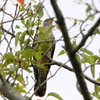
55, 95
17, 56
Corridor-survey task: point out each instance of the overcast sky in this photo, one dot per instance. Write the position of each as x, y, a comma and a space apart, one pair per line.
64, 82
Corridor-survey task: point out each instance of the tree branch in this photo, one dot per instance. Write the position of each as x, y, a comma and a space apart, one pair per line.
72, 70
8, 91
90, 33
53, 62
69, 48
7, 31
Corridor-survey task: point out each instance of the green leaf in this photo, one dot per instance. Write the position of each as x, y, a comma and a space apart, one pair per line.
41, 29
20, 79
22, 37
21, 9
40, 13
26, 53
29, 13
23, 22
88, 9
96, 95
13, 68
95, 58
88, 59
27, 41
27, 69
40, 66
91, 17
39, 10
20, 88
86, 51
98, 32
1, 32
97, 89
77, 20
61, 52
79, 58
28, 23
93, 71
55, 95
38, 55
98, 78
17, 38
31, 32
17, 26
0, 38
8, 58
74, 42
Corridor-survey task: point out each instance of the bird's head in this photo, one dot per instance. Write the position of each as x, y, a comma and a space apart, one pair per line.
48, 23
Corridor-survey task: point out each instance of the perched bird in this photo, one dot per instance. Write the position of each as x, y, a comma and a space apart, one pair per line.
46, 49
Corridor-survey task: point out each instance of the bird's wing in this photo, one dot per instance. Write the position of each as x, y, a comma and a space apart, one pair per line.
40, 74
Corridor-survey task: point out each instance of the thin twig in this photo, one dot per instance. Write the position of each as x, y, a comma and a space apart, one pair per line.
90, 33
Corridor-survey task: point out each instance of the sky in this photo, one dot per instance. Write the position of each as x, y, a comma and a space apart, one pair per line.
64, 82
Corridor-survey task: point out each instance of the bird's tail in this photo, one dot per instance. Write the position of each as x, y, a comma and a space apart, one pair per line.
40, 87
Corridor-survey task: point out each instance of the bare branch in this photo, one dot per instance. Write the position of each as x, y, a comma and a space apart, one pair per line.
69, 48
7, 31
72, 70
90, 33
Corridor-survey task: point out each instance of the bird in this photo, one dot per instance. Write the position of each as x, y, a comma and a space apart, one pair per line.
44, 49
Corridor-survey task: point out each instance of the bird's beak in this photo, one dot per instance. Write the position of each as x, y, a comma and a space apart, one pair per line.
52, 18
